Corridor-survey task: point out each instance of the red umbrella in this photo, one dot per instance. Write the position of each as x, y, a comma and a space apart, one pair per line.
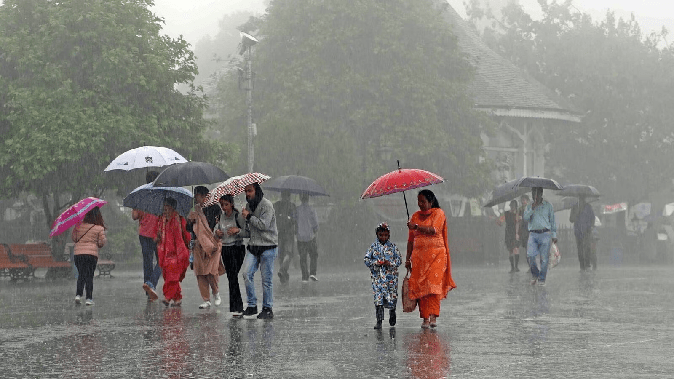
401, 180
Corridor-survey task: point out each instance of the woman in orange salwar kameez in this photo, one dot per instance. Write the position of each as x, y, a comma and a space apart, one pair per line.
428, 258
174, 257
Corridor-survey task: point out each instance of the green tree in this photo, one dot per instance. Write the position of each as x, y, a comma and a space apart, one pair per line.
82, 81
619, 78
340, 83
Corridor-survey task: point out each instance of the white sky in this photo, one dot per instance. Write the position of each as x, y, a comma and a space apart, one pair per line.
195, 19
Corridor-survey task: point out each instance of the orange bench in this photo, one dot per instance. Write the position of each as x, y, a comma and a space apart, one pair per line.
16, 267
38, 255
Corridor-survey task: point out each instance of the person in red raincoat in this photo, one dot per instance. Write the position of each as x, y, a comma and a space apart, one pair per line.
174, 256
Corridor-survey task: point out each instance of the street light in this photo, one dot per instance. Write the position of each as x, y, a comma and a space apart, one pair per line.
247, 42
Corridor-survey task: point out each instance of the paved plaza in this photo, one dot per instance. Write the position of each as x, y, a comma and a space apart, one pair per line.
616, 322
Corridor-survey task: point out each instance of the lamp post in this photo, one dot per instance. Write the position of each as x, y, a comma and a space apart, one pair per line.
247, 42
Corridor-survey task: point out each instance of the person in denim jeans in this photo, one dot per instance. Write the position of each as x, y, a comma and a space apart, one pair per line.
262, 250
147, 230
540, 216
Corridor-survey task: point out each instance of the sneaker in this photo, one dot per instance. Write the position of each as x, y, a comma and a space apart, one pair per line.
533, 281
236, 314
313, 277
151, 295
305, 281
218, 300
250, 312
205, 304
266, 314
89, 302
541, 283
78, 300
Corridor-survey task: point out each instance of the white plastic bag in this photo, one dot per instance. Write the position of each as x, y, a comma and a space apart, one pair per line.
554, 257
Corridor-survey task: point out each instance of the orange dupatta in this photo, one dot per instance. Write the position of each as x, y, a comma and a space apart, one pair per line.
431, 262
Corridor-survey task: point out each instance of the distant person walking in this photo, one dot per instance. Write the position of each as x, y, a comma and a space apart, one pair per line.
89, 236
147, 230
285, 221
307, 226
383, 258
582, 216
230, 230
206, 251
511, 236
262, 250
428, 258
172, 248
542, 233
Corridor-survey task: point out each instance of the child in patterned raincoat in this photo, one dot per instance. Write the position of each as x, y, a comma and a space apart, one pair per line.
383, 258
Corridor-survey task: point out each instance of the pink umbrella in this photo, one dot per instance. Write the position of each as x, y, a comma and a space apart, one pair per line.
74, 215
234, 186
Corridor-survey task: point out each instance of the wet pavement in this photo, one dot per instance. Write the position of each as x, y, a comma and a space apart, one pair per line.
617, 322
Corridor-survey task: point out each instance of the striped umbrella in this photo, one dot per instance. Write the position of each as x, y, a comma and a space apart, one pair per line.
234, 186
74, 215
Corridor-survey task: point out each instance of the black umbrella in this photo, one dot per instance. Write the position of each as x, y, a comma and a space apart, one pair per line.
570, 202
535, 181
578, 190
190, 174
151, 199
506, 192
296, 184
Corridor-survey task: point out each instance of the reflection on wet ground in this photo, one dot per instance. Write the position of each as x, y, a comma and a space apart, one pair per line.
613, 323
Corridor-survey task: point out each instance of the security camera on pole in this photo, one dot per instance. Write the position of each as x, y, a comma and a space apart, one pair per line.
247, 42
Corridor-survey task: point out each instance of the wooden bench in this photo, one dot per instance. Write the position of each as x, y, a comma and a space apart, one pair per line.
16, 267
38, 256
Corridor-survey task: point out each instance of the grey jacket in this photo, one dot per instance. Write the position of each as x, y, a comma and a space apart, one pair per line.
261, 225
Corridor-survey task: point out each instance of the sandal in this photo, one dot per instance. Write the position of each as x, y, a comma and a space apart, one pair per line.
425, 324
433, 322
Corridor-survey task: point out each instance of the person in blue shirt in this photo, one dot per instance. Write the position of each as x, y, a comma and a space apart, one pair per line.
540, 216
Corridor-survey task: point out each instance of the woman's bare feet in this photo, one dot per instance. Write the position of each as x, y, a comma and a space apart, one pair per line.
433, 322
425, 324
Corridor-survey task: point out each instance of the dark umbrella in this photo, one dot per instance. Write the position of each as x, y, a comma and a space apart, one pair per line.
506, 192
150, 199
531, 182
578, 190
190, 174
296, 184
570, 202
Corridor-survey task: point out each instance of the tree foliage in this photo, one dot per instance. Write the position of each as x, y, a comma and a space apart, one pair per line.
82, 81
619, 78
340, 83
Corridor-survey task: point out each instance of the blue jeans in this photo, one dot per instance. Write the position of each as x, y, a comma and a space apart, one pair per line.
539, 244
266, 264
151, 273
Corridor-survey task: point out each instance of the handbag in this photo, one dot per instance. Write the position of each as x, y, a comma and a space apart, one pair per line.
409, 305
554, 257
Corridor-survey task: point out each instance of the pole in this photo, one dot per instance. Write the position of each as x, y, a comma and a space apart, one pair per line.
404, 197
249, 103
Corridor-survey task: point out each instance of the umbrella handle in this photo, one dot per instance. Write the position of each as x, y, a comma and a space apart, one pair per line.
406, 210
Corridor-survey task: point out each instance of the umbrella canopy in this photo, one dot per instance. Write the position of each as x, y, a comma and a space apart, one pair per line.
190, 174
569, 201
150, 199
234, 186
296, 184
545, 183
74, 215
145, 156
578, 190
401, 180
506, 192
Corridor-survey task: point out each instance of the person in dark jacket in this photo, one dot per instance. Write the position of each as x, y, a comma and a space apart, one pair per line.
582, 217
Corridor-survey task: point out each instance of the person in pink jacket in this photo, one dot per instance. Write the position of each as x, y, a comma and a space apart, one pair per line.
89, 236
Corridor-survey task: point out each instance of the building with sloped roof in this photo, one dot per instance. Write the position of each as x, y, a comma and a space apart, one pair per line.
520, 105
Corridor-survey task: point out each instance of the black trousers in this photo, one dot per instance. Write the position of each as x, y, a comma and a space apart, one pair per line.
232, 258
86, 268
311, 249
584, 253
